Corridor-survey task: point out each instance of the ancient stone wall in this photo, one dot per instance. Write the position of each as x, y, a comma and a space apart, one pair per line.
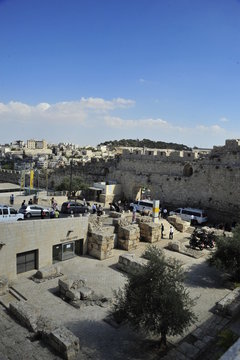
208, 180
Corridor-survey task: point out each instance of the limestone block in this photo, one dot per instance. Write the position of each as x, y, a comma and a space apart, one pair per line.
85, 293
65, 284
178, 223
73, 294
230, 304
3, 285
47, 272
174, 245
114, 214
25, 313
150, 232
129, 263
64, 342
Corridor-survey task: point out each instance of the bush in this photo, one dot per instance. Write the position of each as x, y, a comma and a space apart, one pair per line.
227, 255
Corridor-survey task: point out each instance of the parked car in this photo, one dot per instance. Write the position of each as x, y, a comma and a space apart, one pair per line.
141, 205
196, 216
33, 210
72, 207
8, 213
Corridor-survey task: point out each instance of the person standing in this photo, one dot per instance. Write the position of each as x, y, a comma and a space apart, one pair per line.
12, 199
134, 213
171, 232
162, 230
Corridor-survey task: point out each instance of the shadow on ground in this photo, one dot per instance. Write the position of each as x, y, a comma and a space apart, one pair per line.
100, 341
205, 276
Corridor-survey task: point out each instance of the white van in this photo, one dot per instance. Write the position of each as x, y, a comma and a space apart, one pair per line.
196, 215
141, 205
9, 214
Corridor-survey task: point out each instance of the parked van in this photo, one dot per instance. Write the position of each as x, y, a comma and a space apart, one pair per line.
197, 216
9, 214
141, 205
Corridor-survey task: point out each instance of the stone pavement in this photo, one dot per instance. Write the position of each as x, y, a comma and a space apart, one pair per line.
15, 343
99, 340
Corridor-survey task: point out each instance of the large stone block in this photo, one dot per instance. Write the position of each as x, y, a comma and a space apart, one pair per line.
26, 314
129, 263
64, 342
47, 272
73, 295
178, 223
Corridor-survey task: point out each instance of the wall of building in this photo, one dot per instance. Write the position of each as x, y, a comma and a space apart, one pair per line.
38, 235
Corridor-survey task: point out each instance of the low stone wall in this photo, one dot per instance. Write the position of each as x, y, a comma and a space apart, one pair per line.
101, 242
150, 232
128, 237
58, 337
129, 263
230, 304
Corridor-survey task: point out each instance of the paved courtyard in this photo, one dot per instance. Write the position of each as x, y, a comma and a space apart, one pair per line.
98, 339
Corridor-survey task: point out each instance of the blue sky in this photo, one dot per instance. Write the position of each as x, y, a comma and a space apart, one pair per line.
95, 70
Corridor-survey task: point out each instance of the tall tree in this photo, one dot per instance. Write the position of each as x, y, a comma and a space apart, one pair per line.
154, 299
227, 254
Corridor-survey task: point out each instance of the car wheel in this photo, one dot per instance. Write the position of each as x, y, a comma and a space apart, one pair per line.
19, 219
28, 215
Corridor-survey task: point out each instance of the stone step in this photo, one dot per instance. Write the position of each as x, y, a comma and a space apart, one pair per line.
6, 299
16, 294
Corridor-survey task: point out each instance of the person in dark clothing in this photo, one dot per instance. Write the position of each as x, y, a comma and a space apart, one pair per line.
162, 230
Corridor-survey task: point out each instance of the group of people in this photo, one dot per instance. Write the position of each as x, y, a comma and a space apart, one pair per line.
30, 202
54, 212
97, 209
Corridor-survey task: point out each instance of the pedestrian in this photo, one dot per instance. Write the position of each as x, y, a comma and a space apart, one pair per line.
192, 220
23, 204
134, 213
12, 199
171, 233
42, 214
56, 214
162, 230
99, 210
30, 202
164, 213
94, 208
52, 201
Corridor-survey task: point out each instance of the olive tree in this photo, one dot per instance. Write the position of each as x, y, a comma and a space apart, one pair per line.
227, 254
154, 299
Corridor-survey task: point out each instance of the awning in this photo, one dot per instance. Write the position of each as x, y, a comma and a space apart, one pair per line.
95, 189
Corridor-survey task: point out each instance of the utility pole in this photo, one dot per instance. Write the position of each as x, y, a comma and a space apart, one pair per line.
71, 171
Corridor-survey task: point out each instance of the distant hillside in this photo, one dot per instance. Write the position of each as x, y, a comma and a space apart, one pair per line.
145, 143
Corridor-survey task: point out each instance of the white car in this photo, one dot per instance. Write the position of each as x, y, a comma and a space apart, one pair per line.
196, 216
8, 214
29, 211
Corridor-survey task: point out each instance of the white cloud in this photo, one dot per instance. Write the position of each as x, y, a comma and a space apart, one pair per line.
90, 120
224, 119
117, 122
72, 111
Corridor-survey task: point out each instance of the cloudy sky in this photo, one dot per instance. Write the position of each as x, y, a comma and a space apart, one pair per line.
87, 71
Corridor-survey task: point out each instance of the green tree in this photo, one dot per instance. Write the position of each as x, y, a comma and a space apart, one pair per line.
77, 184
227, 254
154, 299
